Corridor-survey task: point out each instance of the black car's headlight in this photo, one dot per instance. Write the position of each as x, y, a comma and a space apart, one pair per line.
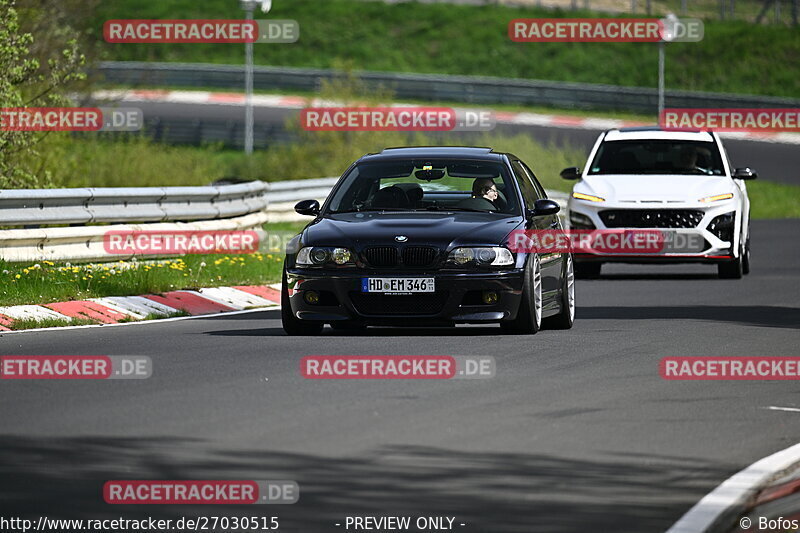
325, 256
480, 256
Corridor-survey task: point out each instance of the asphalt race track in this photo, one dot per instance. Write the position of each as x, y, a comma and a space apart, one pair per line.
577, 432
773, 161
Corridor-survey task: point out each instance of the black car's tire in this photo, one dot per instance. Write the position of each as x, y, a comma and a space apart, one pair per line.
347, 325
732, 269
588, 270
746, 258
529, 315
566, 317
291, 324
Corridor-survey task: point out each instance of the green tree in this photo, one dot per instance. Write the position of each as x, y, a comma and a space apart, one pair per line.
29, 79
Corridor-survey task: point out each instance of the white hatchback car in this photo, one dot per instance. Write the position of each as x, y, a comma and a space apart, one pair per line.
652, 178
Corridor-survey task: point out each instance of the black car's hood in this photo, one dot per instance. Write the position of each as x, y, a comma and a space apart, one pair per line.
437, 229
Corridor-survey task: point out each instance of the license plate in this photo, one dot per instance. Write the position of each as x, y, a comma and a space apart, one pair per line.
400, 285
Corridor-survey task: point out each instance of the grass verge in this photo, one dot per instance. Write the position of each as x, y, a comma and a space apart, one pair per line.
31, 323
48, 282
773, 200
446, 38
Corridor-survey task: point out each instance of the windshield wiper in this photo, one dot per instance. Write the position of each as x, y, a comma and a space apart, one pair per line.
443, 208
365, 209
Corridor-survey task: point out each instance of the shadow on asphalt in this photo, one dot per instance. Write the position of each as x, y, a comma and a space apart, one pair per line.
275, 314
489, 491
652, 277
268, 314
461, 331
747, 315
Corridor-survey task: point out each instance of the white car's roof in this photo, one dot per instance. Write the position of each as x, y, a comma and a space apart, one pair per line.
643, 134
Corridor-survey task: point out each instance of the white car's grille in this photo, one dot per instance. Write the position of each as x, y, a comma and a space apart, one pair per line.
651, 218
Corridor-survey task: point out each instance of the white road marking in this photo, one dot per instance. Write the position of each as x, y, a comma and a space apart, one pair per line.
789, 409
733, 494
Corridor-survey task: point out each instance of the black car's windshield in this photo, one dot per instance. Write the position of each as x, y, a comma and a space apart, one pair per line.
427, 185
657, 157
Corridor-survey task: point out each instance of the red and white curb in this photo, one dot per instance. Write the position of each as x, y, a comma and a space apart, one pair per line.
116, 309
502, 117
718, 510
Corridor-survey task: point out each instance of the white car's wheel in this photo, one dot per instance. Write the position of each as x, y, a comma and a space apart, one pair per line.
732, 269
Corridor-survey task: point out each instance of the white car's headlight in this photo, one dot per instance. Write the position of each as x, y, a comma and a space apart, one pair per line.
717, 198
587, 197
481, 256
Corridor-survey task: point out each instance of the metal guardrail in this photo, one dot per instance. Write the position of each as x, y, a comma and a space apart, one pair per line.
245, 206
27, 207
467, 89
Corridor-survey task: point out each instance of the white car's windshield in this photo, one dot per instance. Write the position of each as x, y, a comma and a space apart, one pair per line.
657, 157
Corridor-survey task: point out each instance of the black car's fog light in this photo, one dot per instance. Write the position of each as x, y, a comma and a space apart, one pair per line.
311, 297
490, 297
341, 256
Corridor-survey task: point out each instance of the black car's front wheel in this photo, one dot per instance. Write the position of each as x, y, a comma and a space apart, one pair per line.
566, 316
291, 324
529, 315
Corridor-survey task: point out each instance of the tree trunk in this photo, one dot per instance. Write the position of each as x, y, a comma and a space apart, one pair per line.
764, 9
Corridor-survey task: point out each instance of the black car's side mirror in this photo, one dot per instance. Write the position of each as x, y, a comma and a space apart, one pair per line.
307, 207
745, 173
543, 207
571, 173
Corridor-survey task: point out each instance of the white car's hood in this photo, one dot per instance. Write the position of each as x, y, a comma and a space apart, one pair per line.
654, 188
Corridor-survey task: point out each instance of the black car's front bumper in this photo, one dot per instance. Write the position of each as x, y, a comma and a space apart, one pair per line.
458, 297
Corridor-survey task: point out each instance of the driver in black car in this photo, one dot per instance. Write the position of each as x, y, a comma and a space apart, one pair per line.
485, 188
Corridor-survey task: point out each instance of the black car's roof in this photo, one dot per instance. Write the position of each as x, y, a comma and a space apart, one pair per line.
435, 152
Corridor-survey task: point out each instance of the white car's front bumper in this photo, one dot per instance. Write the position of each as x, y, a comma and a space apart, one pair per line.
701, 231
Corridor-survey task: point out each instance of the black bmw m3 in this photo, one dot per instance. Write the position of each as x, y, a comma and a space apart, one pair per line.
419, 237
